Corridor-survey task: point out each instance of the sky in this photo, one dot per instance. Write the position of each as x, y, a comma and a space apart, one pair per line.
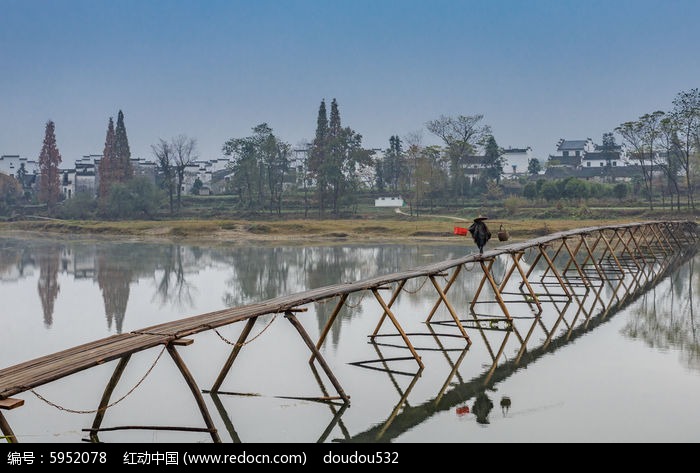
536, 70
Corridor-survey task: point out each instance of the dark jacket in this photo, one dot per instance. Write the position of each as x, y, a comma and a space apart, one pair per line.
480, 233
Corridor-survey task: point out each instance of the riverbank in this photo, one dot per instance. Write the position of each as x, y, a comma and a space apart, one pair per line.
302, 231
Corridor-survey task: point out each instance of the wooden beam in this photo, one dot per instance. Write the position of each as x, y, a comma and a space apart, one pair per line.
11, 403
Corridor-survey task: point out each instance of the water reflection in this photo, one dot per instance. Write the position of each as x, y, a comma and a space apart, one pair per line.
48, 287
140, 284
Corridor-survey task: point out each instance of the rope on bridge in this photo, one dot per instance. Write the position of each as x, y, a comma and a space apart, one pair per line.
102, 408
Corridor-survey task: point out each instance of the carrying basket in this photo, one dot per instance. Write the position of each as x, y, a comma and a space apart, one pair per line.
503, 234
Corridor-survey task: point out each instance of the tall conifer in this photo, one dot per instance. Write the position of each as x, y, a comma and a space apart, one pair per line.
318, 154
49, 173
334, 124
122, 170
106, 170
318, 147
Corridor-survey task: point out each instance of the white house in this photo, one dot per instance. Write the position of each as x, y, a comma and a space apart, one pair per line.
10, 164
389, 202
516, 162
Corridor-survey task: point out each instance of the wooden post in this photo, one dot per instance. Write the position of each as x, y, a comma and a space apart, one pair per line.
394, 295
234, 353
455, 317
99, 416
195, 391
456, 272
328, 325
8, 404
388, 312
289, 315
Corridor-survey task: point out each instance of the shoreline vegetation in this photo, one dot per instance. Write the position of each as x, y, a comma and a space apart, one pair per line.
300, 231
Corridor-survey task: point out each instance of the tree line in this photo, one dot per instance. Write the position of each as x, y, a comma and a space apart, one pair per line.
330, 174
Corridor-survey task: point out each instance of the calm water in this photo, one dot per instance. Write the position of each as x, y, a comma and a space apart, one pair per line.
571, 375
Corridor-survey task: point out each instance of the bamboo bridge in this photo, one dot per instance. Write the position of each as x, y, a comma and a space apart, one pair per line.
627, 259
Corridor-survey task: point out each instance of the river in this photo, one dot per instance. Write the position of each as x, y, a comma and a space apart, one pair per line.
631, 375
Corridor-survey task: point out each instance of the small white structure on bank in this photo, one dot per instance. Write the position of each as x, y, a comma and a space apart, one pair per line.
388, 202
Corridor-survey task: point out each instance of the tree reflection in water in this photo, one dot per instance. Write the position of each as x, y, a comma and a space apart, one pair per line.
664, 315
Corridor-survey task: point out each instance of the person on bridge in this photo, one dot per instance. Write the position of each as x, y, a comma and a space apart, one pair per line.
480, 232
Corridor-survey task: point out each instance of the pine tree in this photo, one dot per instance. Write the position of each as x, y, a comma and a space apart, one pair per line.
318, 154
322, 121
122, 170
318, 147
334, 166
493, 160
49, 173
334, 125
106, 170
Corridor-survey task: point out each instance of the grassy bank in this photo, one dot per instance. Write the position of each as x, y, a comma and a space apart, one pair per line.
434, 227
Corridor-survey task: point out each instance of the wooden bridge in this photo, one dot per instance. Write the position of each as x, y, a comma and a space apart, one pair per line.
570, 257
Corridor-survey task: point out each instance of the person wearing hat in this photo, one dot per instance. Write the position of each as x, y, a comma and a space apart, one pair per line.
480, 232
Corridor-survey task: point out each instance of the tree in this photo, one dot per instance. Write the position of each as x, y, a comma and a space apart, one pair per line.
336, 158
10, 192
671, 162
184, 151
550, 191
49, 174
317, 155
197, 186
530, 191
686, 116
608, 141
105, 171
534, 167
166, 169
461, 135
260, 164
115, 165
333, 167
275, 163
430, 174
122, 169
575, 189
642, 136
136, 198
393, 167
493, 160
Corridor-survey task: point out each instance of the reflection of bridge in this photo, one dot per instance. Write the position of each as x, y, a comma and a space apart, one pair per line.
564, 270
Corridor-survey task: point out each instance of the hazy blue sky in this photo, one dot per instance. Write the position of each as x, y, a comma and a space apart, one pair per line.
537, 70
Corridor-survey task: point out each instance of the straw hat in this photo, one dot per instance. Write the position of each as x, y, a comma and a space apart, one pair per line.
480, 217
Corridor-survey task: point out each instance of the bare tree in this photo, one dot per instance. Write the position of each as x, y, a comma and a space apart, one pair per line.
461, 135
184, 151
671, 162
642, 136
166, 164
686, 116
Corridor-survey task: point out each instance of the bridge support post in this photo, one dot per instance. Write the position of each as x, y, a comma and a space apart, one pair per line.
4, 425
329, 324
106, 395
234, 353
189, 379
289, 315
388, 312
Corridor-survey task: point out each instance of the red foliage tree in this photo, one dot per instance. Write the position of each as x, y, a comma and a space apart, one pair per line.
122, 170
49, 173
105, 170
